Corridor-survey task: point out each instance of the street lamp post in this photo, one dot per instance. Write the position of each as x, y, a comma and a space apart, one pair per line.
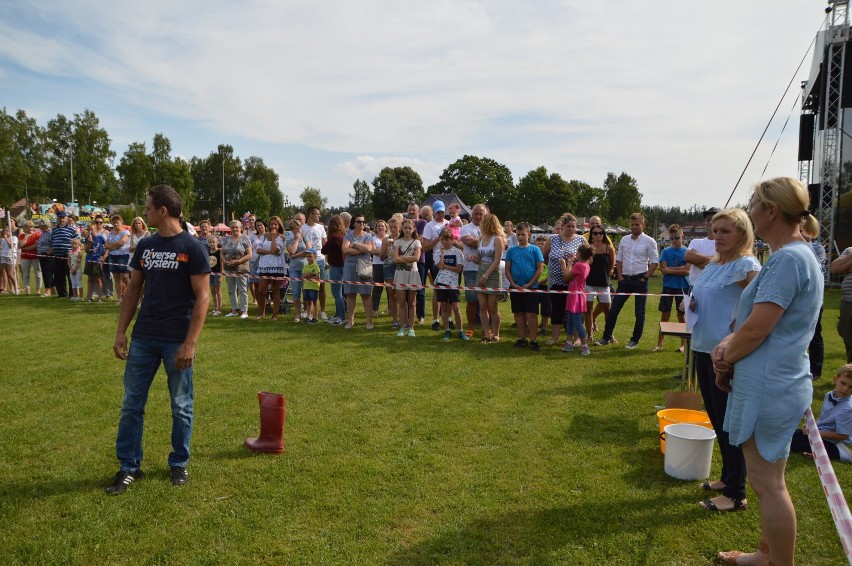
71, 155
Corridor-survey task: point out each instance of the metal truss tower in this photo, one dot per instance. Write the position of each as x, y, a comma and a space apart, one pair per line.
836, 37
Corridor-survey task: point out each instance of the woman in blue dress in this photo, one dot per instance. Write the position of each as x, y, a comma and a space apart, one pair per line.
764, 363
712, 307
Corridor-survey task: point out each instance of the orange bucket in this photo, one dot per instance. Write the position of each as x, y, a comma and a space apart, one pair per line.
675, 416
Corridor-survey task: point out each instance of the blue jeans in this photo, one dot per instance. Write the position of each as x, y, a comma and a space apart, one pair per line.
628, 286
574, 323
143, 361
336, 274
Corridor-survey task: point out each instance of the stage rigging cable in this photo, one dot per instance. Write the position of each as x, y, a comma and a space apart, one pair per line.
783, 96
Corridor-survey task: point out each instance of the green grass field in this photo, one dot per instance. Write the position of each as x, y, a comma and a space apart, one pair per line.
399, 451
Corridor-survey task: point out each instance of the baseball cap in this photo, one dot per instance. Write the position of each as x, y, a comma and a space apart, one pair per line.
61, 214
438, 206
710, 211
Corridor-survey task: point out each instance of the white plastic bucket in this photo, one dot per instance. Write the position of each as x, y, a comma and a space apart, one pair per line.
689, 451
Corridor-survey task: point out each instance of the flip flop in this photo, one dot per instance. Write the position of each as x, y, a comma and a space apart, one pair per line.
739, 505
706, 486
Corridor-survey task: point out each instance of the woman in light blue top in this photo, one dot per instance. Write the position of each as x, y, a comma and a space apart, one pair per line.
712, 307
764, 363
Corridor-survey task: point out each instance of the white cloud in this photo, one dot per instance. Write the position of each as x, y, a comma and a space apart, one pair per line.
673, 93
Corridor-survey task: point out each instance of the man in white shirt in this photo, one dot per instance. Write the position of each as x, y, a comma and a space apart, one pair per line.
431, 239
701, 250
314, 232
470, 234
636, 260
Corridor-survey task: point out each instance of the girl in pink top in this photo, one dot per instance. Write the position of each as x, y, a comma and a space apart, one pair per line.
575, 304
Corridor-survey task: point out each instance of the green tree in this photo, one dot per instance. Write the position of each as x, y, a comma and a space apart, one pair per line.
13, 168
22, 157
207, 177
135, 173
542, 197
394, 188
622, 196
94, 178
312, 196
361, 200
256, 170
254, 198
591, 201
478, 179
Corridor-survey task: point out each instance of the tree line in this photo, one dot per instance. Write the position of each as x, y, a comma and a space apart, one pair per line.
36, 163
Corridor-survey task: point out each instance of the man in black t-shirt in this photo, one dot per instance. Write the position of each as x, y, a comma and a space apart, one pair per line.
173, 269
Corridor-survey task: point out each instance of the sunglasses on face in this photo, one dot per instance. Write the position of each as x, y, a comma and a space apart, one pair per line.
675, 237
358, 221
597, 233
99, 222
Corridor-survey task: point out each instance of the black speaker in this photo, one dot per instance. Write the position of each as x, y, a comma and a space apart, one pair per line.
806, 137
813, 197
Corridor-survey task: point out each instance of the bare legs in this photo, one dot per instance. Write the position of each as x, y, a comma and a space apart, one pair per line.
489, 315
777, 515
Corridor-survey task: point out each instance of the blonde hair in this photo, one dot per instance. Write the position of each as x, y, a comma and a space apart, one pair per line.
791, 197
144, 225
376, 225
567, 217
490, 226
742, 224
845, 371
413, 226
638, 216
279, 221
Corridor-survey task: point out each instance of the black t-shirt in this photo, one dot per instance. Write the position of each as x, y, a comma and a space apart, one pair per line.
167, 264
215, 260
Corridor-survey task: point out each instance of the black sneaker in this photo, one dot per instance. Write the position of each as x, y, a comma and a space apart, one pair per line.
178, 475
534, 346
452, 325
521, 343
122, 480
436, 325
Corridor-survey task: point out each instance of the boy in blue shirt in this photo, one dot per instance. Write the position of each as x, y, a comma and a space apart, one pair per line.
675, 280
524, 264
835, 421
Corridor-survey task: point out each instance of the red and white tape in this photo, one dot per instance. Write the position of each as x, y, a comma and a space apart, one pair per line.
836, 502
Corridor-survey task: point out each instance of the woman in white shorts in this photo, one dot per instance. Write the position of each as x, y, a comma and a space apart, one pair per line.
597, 283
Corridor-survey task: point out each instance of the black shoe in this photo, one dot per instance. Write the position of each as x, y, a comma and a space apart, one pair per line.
436, 325
178, 475
534, 346
453, 327
122, 480
521, 343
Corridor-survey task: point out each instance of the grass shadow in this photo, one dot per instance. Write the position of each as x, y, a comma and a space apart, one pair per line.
532, 536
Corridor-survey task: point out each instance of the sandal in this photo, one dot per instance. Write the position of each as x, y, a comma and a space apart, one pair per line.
495, 339
706, 486
552, 342
657, 349
739, 505
485, 340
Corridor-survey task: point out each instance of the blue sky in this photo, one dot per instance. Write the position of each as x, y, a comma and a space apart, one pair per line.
675, 94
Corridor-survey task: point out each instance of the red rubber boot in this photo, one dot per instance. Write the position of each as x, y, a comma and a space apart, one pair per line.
271, 437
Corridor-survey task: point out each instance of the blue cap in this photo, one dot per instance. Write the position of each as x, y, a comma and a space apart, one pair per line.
311, 251
438, 206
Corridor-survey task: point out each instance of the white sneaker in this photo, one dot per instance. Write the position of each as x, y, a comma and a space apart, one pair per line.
215, 313
323, 316
244, 315
230, 314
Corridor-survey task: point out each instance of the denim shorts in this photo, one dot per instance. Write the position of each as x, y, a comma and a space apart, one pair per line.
310, 294
296, 286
